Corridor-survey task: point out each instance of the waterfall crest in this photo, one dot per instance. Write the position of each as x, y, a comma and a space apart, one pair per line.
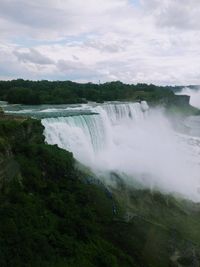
88, 135
133, 141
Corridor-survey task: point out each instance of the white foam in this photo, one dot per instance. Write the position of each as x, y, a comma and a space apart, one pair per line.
130, 139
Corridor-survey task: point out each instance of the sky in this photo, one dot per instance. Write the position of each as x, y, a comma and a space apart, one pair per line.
134, 41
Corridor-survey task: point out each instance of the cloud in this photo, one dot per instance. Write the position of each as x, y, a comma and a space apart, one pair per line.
56, 19
182, 15
134, 41
33, 56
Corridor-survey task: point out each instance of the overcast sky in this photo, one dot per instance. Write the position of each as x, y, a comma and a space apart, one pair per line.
152, 41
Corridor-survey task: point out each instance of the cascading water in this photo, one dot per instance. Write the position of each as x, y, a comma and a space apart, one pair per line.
89, 136
136, 143
128, 139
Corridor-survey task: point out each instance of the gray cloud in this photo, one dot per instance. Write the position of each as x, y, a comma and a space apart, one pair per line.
182, 15
33, 56
31, 13
154, 41
69, 65
104, 46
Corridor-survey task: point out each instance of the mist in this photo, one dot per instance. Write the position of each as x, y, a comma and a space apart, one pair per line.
143, 149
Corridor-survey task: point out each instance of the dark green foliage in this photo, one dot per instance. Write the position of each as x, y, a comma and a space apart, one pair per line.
63, 92
48, 216
22, 95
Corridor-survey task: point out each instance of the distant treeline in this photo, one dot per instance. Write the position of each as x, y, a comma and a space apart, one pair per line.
64, 92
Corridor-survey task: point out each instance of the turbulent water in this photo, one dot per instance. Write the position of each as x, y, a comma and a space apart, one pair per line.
92, 137
129, 139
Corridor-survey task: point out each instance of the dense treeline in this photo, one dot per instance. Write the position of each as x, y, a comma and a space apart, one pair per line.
63, 92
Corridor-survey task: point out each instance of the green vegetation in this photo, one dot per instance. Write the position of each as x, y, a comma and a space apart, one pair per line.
63, 92
1, 111
49, 216
52, 214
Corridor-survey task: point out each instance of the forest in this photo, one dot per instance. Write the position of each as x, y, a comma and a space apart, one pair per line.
67, 92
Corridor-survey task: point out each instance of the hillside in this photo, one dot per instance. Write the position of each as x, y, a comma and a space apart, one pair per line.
52, 214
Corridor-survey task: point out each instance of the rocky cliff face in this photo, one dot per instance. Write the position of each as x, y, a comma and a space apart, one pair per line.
182, 100
14, 132
9, 168
178, 100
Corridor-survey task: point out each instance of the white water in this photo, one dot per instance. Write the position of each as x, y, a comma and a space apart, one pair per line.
89, 136
134, 142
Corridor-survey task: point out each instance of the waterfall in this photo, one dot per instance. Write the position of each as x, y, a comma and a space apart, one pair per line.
129, 139
87, 136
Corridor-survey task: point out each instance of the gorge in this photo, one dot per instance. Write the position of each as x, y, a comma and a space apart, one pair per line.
138, 143
99, 184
